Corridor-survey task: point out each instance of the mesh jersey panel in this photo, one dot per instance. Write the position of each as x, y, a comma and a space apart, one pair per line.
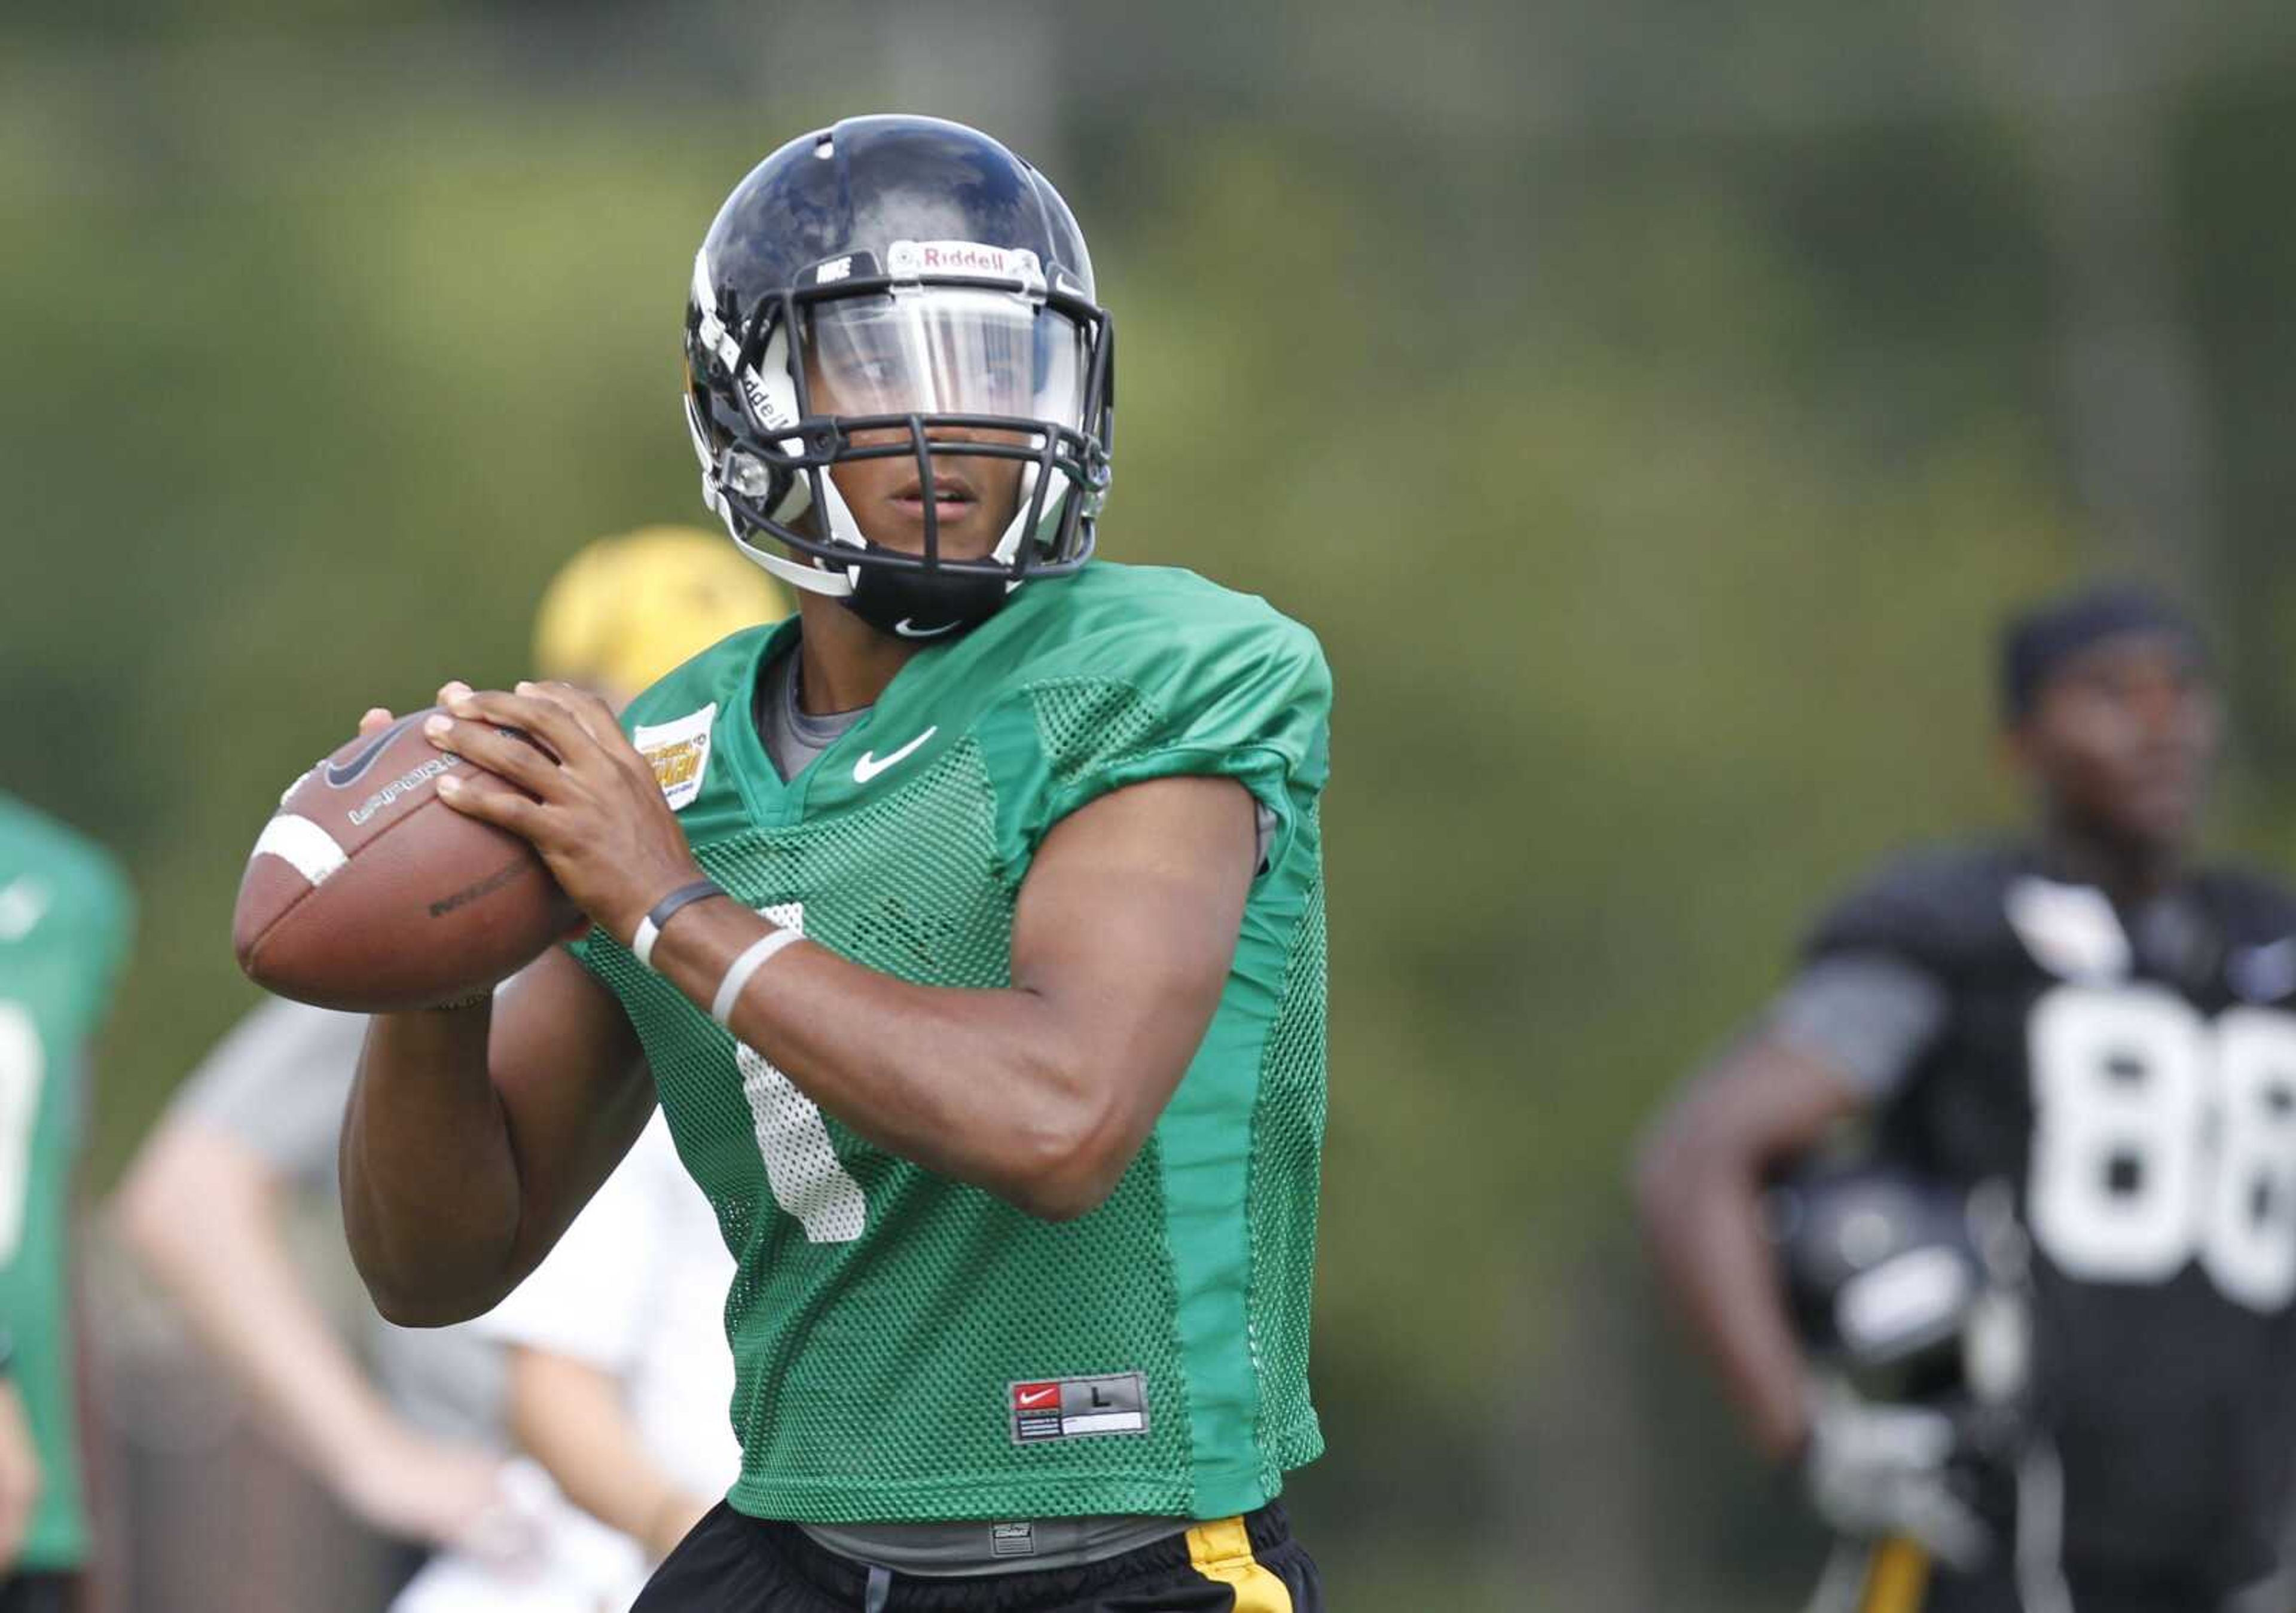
875, 1372
1085, 722
1287, 1153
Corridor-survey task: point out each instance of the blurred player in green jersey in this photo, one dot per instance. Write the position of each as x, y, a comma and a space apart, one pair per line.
64, 922
970, 926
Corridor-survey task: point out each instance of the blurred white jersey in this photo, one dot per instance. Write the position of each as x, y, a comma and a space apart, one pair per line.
636, 1289
542, 1554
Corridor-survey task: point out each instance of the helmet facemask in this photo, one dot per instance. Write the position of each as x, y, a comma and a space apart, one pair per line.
979, 381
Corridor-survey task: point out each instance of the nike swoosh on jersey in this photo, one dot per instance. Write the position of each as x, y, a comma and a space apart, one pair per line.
1039, 1396
906, 631
22, 904
869, 766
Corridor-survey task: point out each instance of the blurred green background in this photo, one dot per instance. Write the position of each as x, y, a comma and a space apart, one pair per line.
1653, 405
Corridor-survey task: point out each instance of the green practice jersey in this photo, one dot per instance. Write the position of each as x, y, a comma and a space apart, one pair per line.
64, 917
908, 1347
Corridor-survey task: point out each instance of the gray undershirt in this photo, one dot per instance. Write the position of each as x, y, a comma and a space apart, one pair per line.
793, 735
1869, 1016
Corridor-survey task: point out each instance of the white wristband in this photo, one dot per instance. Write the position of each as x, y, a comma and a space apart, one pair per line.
737, 975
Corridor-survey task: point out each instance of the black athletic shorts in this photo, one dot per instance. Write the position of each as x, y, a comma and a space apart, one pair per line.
732, 1563
39, 1593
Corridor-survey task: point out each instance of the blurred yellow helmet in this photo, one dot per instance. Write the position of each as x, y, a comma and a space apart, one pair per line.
628, 609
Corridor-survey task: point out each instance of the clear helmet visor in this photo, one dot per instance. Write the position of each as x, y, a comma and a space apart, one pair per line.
946, 351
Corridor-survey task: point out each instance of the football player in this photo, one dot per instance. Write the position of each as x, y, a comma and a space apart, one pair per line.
65, 915
2097, 1031
970, 926
412, 1447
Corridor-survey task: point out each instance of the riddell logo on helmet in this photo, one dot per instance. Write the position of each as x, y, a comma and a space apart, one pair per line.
969, 260
763, 409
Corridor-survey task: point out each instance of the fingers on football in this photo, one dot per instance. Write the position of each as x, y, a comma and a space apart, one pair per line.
484, 796
544, 721
596, 717
506, 754
377, 719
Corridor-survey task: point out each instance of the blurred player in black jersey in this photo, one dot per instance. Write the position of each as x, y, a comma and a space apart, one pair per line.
2086, 1026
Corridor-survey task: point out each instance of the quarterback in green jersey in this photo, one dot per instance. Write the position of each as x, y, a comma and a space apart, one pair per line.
969, 926
64, 918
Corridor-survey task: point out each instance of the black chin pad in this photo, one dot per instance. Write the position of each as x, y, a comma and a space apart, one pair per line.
923, 606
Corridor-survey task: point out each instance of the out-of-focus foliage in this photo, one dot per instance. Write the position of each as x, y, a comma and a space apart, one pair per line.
1651, 425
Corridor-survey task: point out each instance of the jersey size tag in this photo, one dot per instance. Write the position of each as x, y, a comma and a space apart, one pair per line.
678, 752
1076, 1408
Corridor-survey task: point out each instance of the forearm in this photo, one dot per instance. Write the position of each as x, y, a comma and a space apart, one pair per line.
571, 1417
987, 1086
1702, 1217
204, 1223
19, 1474
431, 1193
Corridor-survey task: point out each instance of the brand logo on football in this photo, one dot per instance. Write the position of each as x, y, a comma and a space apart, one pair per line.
342, 775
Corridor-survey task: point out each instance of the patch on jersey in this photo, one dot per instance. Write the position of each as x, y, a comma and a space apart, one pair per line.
2070, 931
1012, 1540
679, 754
1074, 1408
2263, 974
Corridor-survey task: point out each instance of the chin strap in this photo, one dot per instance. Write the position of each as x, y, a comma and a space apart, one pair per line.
815, 576
798, 574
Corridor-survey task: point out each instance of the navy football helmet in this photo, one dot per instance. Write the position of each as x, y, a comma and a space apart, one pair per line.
1909, 1296
1890, 1275
899, 286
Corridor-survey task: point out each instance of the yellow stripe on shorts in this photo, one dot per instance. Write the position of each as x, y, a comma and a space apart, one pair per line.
1221, 1552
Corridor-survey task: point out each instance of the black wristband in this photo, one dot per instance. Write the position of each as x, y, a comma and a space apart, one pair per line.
675, 902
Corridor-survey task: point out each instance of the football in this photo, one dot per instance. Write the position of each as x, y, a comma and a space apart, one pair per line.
366, 892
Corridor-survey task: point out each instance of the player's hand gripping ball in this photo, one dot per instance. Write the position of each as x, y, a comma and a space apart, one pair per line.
368, 892
576, 790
